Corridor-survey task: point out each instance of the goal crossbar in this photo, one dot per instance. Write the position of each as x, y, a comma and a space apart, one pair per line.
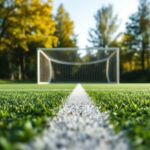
78, 49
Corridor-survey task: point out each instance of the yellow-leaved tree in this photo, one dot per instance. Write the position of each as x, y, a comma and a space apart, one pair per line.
23, 22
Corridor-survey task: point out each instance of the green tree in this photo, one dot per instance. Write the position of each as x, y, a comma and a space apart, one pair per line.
66, 38
137, 36
22, 23
104, 33
65, 29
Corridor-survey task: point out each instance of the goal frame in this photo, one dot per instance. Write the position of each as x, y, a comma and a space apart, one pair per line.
40, 50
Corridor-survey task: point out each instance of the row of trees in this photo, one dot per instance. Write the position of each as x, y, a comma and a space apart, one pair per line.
25, 26
102, 35
134, 43
137, 36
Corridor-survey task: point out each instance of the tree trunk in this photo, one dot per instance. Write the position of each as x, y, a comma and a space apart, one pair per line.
12, 74
148, 65
19, 72
21, 66
143, 59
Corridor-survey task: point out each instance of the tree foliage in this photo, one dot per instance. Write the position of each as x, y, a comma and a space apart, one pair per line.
106, 26
21, 24
137, 36
65, 29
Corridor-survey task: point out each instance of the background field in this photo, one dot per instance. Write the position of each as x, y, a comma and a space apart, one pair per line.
32, 86
117, 86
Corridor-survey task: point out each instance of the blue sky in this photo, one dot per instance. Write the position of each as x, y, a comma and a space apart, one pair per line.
82, 12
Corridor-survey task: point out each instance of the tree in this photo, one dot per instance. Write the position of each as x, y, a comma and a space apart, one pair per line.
137, 36
22, 23
66, 38
106, 26
65, 29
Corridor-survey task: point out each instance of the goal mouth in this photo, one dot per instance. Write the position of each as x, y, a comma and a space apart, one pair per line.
74, 65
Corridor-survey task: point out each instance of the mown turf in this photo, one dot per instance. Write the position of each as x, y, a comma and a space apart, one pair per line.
24, 109
36, 87
117, 86
129, 109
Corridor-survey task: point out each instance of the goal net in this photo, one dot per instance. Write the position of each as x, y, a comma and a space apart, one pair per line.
96, 65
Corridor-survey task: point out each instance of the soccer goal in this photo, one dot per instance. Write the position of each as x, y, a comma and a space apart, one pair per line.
75, 65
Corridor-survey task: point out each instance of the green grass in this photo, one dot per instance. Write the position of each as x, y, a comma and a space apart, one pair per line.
129, 108
15, 81
28, 86
117, 86
24, 109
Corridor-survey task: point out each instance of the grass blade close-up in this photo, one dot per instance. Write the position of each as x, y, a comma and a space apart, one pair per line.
24, 110
129, 108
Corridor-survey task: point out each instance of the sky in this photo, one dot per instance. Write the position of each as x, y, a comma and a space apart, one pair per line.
82, 13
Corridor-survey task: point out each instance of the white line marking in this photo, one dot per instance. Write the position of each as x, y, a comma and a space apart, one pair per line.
79, 126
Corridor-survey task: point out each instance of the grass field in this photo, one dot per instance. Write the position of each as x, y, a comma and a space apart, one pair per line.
24, 109
129, 108
36, 87
117, 86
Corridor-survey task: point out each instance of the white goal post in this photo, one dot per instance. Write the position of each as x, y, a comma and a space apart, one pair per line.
97, 65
